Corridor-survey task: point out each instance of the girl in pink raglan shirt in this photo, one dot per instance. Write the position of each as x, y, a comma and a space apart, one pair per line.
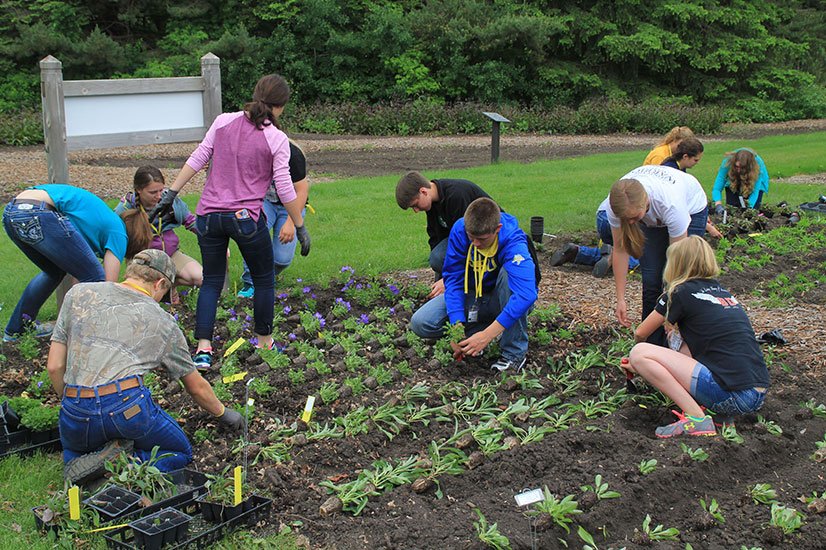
248, 153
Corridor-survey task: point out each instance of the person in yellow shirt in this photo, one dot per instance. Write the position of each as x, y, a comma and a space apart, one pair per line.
668, 145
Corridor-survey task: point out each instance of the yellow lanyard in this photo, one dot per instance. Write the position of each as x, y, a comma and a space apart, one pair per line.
484, 261
136, 287
156, 230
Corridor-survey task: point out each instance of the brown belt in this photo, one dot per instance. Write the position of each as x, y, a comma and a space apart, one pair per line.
106, 389
35, 202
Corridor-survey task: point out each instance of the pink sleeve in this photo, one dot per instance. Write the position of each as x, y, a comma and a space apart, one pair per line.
280, 147
200, 156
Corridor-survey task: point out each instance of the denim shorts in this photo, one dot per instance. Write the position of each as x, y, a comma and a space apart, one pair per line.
707, 392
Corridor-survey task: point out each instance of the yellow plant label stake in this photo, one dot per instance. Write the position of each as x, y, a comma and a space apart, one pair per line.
74, 503
234, 377
237, 474
234, 347
308, 409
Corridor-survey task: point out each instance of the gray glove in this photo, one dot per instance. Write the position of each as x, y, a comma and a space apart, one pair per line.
164, 205
232, 419
719, 210
304, 238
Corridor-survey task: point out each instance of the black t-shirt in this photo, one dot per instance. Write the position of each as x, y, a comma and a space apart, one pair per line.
718, 332
454, 198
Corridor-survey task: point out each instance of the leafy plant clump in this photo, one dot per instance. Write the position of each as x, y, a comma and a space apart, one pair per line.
142, 477
40, 418
221, 487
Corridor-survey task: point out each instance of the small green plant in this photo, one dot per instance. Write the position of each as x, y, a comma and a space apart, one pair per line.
40, 418
220, 487
763, 493
274, 358
559, 511
261, 387
296, 376
328, 392
600, 488
489, 534
729, 433
587, 538
788, 520
817, 410
153, 384
697, 454
656, 533
201, 435
713, 509
142, 477
769, 425
40, 384
28, 344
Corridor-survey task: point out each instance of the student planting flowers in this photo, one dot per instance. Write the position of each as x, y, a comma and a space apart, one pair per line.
719, 365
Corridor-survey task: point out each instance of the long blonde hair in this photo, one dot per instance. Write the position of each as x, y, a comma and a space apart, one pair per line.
689, 258
627, 198
742, 181
677, 133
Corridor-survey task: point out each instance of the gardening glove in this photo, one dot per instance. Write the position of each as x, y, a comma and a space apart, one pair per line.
164, 205
719, 210
304, 238
232, 420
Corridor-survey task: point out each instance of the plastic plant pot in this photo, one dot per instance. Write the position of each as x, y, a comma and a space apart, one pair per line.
215, 512
537, 228
167, 526
8, 417
38, 438
113, 502
40, 523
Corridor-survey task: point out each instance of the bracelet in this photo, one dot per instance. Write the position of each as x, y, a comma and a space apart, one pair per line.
223, 410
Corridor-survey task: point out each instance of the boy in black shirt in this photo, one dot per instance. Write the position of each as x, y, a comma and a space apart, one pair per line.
445, 202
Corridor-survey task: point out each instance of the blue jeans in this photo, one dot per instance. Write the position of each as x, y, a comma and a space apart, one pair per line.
86, 424
282, 254
253, 240
429, 320
589, 255
653, 263
53, 244
437, 257
707, 392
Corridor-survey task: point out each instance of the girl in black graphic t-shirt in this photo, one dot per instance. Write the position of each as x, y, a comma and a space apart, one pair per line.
720, 365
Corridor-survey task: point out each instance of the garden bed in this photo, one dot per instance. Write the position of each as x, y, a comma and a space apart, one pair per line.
391, 410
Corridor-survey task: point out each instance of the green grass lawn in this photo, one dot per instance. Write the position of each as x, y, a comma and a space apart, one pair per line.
358, 223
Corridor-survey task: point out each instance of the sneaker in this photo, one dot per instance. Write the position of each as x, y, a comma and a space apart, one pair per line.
203, 359
247, 291
566, 254
687, 426
503, 364
603, 265
41, 330
722, 421
89, 467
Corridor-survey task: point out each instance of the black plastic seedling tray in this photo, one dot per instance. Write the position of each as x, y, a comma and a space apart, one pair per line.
113, 502
201, 533
815, 207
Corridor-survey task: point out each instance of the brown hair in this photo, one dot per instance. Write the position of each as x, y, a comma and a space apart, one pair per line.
408, 187
146, 175
627, 198
677, 133
270, 91
689, 146
138, 231
742, 181
689, 258
482, 217
146, 274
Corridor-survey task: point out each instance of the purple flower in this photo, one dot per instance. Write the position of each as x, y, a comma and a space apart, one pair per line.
248, 318
282, 296
183, 293
359, 286
313, 296
287, 310
231, 311
347, 268
27, 317
392, 311
364, 319
299, 280
393, 288
40, 384
254, 340
344, 303
306, 290
292, 336
176, 317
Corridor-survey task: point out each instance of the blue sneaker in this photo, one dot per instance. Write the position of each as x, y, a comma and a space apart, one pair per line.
41, 330
247, 291
203, 359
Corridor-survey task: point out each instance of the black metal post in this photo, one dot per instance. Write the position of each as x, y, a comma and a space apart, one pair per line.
494, 143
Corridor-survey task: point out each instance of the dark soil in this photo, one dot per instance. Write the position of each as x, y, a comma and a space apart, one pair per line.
612, 444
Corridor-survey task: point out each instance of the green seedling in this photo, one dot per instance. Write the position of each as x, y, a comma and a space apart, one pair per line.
817, 410
770, 426
713, 509
443, 460
489, 534
389, 418
40, 418
587, 538
261, 387
788, 520
648, 466
40, 384
729, 433
763, 493
220, 487
28, 345
600, 488
419, 391
328, 392
142, 477
201, 435
324, 432
354, 422
559, 511
657, 533
697, 454
356, 384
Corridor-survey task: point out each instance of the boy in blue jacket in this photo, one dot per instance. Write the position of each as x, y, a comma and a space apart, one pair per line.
491, 279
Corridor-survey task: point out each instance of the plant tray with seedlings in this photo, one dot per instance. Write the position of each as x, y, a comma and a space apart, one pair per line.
815, 207
202, 534
20, 443
168, 526
189, 485
113, 502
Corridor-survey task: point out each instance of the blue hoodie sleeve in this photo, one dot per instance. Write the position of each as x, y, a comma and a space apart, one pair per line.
721, 182
454, 272
762, 183
518, 264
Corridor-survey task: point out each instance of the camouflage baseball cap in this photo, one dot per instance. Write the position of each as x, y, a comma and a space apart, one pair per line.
157, 260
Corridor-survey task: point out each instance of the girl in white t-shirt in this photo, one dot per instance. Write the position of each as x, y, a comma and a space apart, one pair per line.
648, 209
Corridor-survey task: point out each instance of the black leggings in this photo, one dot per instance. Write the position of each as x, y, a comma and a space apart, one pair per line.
735, 199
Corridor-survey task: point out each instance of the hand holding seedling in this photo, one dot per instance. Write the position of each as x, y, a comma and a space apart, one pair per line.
475, 344
436, 289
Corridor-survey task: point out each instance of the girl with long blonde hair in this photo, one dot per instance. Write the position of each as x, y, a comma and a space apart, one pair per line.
745, 179
720, 365
666, 147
